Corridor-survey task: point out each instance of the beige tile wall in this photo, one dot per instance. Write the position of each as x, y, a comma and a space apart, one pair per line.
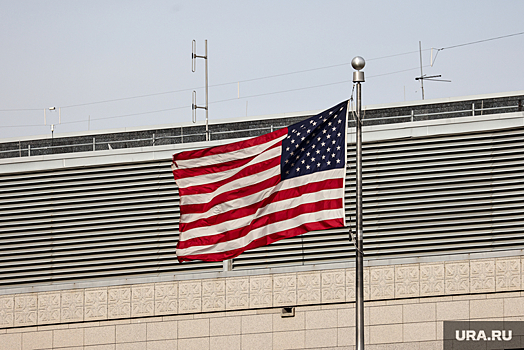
416, 324
407, 308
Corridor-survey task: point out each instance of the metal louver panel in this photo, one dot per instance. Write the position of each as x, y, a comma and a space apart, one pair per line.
422, 196
80, 223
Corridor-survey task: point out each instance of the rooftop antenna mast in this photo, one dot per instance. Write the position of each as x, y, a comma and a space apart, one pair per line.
424, 77
194, 106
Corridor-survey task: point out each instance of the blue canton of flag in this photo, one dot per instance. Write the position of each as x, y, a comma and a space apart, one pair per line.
315, 144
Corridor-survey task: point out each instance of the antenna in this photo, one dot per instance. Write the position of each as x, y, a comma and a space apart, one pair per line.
422, 75
194, 106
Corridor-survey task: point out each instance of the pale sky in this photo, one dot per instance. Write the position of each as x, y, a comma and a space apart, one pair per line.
265, 57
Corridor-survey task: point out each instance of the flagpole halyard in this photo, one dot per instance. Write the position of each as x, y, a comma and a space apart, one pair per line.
358, 63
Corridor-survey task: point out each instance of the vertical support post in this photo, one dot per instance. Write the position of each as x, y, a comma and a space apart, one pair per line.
153, 139
29, 150
227, 265
94, 144
358, 63
207, 105
194, 105
473, 108
421, 74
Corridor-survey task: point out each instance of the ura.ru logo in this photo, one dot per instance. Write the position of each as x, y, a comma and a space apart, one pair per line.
495, 335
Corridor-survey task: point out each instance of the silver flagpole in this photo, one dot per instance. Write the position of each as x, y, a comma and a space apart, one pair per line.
358, 63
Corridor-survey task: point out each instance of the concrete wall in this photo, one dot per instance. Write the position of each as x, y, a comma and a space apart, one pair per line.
407, 306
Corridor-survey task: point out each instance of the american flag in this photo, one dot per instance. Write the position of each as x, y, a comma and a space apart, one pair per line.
254, 192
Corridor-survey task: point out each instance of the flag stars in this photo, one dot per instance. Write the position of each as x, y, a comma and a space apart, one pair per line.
317, 145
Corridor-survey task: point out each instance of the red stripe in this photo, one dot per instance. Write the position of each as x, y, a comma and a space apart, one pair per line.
262, 221
227, 196
217, 168
229, 147
247, 171
252, 208
262, 241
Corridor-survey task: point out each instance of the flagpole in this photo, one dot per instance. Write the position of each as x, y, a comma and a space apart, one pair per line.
358, 63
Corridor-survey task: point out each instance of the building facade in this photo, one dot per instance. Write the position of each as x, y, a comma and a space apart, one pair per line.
89, 227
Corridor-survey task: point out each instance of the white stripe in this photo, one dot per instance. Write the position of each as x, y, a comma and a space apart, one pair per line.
273, 207
263, 231
240, 183
219, 176
226, 157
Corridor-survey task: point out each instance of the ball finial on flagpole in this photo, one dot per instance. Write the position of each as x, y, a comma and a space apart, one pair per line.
358, 64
